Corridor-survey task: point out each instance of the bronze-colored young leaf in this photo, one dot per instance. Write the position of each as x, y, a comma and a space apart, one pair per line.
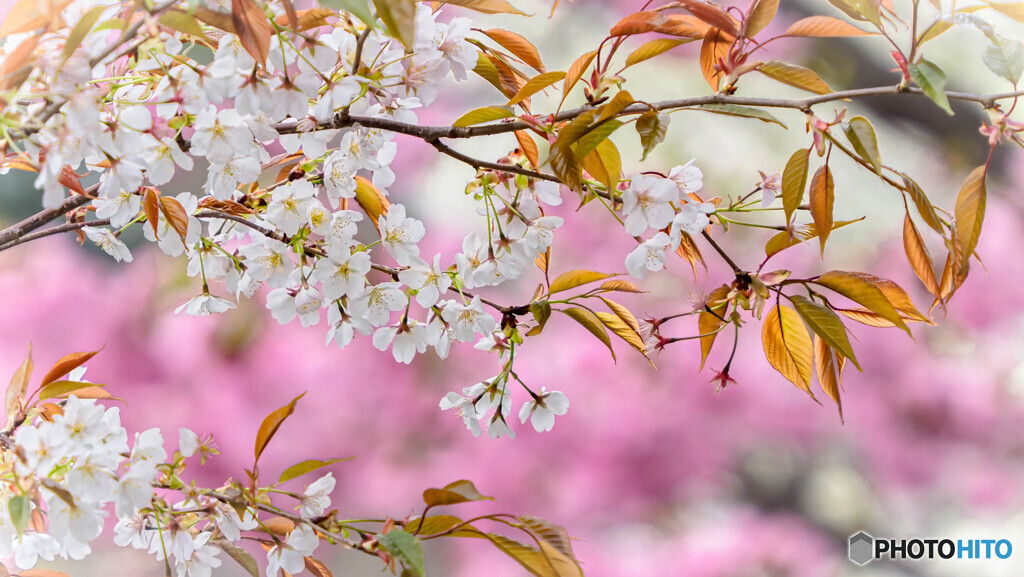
690, 252
520, 47
864, 290
712, 15
794, 180
741, 112
592, 323
488, 6
151, 208
439, 523
90, 391
827, 369
620, 286
175, 215
576, 71
252, 27
57, 389
543, 562
607, 160
621, 329
215, 18
787, 346
399, 16
824, 27
918, 256
595, 136
864, 10
271, 424
825, 323
715, 47
970, 211
653, 48
183, 22
371, 200
16, 67
708, 322
485, 114
529, 147
795, 76
862, 136
535, 85
554, 535
575, 278
762, 12
652, 128
822, 203
453, 493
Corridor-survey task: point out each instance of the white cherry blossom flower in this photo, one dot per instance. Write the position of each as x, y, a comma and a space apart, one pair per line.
220, 135
688, 178
399, 234
339, 177
645, 203
161, 156
428, 280
343, 326
542, 409
692, 219
342, 274
649, 256
205, 305
468, 320
287, 210
315, 500
120, 209
108, 243
288, 556
379, 301
405, 340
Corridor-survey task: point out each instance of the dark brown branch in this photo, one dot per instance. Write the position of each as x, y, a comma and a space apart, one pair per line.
39, 219
67, 227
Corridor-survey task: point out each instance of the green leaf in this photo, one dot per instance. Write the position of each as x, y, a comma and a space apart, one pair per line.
575, 278
652, 128
592, 323
404, 547
488, 6
794, 180
20, 509
924, 206
358, 8
308, 467
58, 388
742, 112
932, 81
453, 493
485, 114
864, 10
1005, 57
795, 76
653, 48
862, 136
399, 16
81, 29
183, 22
801, 234
826, 324
439, 523
535, 85
589, 141
541, 311
241, 556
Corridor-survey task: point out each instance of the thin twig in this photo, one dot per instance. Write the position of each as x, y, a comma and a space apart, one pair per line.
67, 227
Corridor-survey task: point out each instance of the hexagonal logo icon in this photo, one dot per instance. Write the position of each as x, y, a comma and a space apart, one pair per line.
862, 548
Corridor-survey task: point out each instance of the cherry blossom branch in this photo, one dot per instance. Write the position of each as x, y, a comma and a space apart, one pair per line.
68, 227
43, 217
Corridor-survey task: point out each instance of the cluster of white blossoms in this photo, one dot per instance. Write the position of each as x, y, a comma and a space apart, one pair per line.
71, 465
308, 238
665, 205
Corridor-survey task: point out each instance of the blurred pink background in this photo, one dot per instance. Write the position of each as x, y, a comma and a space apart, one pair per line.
651, 471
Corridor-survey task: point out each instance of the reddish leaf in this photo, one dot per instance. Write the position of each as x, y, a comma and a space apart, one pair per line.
252, 27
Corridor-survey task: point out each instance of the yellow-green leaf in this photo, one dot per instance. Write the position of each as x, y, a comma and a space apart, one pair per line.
924, 206
824, 27
18, 387
308, 466
741, 112
795, 76
652, 127
827, 368
794, 180
862, 136
970, 211
617, 104
59, 388
787, 346
485, 114
709, 322
592, 323
183, 22
575, 278
825, 323
932, 81
488, 6
535, 85
399, 16
404, 547
82, 28
762, 12
864, 290
653, 48
372, 200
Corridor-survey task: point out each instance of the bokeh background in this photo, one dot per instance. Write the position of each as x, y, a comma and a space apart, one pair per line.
651, 470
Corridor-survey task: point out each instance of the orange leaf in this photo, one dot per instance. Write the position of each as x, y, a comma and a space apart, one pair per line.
16, 67
824, 27
529, 147
822, 202
517, 45
918, 257
970, 211
175, 215
576, 71
272, 423
827, 367
65, 365
716, 46
151, 208
714, 16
